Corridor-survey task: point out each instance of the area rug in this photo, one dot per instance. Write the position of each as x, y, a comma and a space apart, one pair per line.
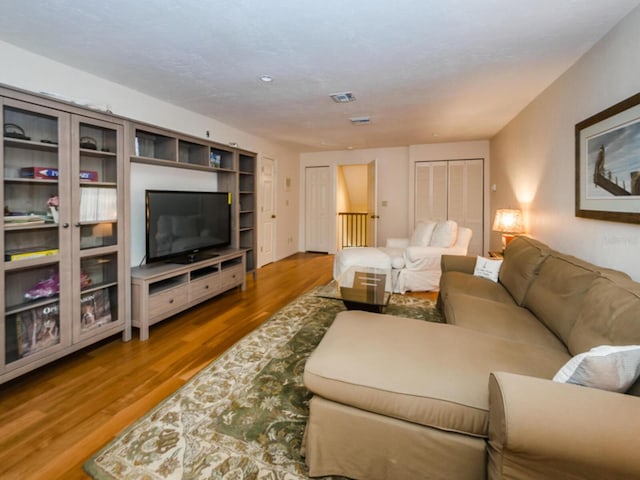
243, 416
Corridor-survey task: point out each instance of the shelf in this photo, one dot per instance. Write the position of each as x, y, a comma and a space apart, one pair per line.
30, 145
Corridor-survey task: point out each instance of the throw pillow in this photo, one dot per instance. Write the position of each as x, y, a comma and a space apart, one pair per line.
605, 367
487, 268
444, 234
422, 234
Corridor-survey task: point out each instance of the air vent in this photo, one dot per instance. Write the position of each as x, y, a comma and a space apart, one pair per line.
360, 120
343, 97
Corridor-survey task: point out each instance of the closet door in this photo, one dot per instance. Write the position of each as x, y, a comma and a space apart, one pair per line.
431, 191
465, 200
452, 190
318, 205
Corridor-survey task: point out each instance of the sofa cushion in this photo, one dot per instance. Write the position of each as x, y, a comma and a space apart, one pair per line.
422, 234
426, 373
506, 320
458, 282
444, 234
605, 367
610, 315
522, 259
557, 293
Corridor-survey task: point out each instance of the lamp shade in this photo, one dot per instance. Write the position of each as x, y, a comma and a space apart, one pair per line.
508, 220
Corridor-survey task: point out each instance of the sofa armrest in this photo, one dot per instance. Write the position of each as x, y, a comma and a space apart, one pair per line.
541, 429
458, 263
397, 242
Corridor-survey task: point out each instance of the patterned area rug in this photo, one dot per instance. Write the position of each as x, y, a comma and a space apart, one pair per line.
243, 416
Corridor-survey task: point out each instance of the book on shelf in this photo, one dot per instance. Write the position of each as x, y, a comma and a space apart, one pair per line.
95, 309
18, 221
34, 252
38, 329
49, 173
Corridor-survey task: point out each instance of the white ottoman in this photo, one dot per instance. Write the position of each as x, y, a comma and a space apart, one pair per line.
360, 257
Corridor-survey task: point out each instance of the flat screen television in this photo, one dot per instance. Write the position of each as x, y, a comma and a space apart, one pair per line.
183, 226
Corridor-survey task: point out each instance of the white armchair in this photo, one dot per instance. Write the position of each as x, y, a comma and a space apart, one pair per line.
416, 260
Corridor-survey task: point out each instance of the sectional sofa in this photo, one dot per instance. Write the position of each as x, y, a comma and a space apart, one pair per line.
474, 398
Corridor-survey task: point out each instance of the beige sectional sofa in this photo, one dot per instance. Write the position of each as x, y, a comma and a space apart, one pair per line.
473, 398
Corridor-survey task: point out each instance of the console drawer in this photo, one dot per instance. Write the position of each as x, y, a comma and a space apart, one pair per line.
168, 302
205, 287
231, 277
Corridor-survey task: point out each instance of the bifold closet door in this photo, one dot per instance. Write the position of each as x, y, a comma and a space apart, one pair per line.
452, 190
465, 200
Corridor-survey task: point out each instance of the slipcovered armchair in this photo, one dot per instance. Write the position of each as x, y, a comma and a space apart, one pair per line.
416, 260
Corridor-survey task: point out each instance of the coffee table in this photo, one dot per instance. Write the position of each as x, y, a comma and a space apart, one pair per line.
361, 288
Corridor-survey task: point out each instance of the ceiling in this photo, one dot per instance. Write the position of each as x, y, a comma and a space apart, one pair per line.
424, 71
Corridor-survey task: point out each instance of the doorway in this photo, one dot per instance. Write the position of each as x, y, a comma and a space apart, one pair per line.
356, 205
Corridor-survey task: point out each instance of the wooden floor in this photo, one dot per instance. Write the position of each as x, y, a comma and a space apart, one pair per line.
52, 420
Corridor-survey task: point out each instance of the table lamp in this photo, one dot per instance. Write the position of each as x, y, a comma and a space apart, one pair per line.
509, 223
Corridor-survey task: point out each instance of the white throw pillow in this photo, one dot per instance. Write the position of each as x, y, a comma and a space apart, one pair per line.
487, 268
422, 234
444, 234
605, 367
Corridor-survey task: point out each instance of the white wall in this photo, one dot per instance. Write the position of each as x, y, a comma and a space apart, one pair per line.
533, 156
392, 185
395, 178
35, 73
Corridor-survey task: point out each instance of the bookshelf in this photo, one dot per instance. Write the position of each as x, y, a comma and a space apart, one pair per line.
64, 282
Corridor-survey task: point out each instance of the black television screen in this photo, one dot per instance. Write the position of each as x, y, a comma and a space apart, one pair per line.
182, 226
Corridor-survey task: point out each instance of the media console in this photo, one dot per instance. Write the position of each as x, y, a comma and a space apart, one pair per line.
161, 290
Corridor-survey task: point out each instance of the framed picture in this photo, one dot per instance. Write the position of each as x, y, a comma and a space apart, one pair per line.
608, 164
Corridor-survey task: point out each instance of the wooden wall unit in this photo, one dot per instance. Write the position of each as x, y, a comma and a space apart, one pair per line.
65, 271
234, 168
66, 276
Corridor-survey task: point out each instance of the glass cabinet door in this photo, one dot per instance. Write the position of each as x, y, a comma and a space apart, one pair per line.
34, 245
96, 171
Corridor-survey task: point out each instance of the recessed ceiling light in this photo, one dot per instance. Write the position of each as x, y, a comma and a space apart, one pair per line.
266, 78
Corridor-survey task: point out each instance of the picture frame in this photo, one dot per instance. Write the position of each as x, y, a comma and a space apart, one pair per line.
607, 164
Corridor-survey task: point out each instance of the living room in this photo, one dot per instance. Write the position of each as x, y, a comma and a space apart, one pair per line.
530, 160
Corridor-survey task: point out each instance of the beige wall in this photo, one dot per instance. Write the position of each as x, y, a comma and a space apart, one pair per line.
532, 158
25, 70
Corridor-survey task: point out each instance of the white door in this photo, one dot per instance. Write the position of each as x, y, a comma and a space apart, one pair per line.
317, 209
372, 204
267, 210
452, 190
431, 192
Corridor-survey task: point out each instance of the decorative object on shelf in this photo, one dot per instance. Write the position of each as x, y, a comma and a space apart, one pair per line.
509, 223
11, 130
607, 182
89, 143
53, 203
45, 288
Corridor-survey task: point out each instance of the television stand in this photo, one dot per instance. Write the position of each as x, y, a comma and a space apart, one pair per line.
160, 290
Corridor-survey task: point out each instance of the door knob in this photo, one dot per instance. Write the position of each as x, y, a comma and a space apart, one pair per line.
273, 216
